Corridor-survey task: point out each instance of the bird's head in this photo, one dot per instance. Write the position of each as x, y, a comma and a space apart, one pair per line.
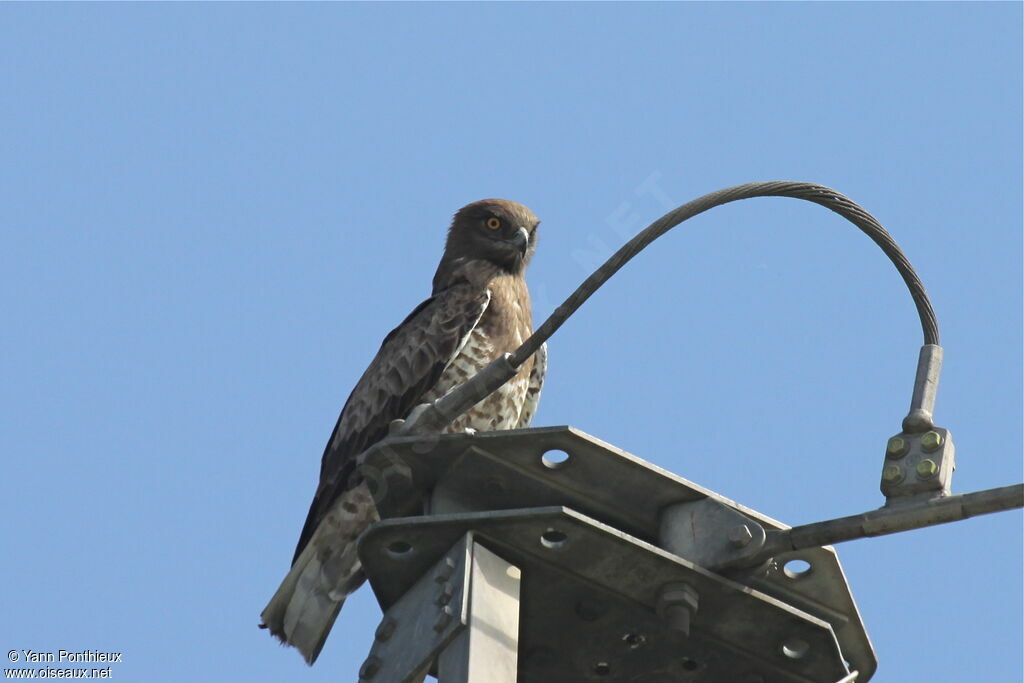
497, 231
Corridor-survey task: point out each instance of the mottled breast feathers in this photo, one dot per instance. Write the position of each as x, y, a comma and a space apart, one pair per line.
410, 361
480, 309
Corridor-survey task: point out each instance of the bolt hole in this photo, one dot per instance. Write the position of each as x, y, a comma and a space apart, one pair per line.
602, 669
796, 569
553, 539
555, 459
795, 648
634, 640
689, 665
399, 549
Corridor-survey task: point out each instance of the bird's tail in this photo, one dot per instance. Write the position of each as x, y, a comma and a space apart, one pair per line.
304, 608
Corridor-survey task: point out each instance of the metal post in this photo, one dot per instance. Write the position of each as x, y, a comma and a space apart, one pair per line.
461, 614
487, 650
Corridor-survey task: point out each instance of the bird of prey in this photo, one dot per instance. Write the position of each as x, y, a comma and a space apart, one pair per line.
479, 309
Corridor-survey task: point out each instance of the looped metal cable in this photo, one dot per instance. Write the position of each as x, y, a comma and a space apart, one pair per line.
431, 418
819, 194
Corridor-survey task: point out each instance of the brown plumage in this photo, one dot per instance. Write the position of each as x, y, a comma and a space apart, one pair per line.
478, 310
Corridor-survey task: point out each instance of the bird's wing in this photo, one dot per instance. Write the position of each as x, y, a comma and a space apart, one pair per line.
409, 362
540, 367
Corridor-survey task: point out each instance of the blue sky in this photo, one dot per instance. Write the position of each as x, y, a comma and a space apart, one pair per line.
212, 214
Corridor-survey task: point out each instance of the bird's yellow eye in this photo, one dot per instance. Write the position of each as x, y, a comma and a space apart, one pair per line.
493, 223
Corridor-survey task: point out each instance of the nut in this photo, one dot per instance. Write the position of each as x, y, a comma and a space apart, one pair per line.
740, 536
443, 619
370, 667
445, 596
927, 468
445, 570
930, 441
892, 474
386, 629
897, 447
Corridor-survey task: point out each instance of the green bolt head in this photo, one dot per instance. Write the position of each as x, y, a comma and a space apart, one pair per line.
931, 440
892, 474
897, 447
927, 468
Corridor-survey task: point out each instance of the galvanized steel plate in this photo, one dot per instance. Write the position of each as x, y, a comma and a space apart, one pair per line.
522, 468
588, 603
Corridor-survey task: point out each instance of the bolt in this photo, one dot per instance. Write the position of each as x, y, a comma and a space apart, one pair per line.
931, 441
445, 569
370, 667
386, 629
892, 474
927, 468
897, 447
443, 619
740, 536
445, 596
677, 604
678, 618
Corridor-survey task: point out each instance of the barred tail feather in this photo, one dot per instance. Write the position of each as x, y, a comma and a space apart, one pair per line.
304, 608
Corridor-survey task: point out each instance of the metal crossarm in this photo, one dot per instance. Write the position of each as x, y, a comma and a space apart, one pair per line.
606, 579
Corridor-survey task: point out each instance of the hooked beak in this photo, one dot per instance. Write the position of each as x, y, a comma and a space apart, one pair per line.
521, 241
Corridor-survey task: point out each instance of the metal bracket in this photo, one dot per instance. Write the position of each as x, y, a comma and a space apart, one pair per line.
460, 617
711, 534
419, 625
561, 466
918, 465
590, 597
719, 537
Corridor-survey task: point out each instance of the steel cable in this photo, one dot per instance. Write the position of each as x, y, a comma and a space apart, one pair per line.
819, 194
